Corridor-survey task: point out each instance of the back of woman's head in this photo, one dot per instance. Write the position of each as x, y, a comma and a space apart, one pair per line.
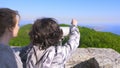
45, 33
7, 19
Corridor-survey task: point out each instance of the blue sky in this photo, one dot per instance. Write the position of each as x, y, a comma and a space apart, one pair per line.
85, 11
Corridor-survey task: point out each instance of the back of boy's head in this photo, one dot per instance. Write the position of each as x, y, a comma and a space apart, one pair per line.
7, 19
45, 33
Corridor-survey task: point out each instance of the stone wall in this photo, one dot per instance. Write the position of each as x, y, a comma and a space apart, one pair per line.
94, 58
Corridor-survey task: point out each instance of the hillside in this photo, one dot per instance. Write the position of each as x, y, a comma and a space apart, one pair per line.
22, 39
89, 38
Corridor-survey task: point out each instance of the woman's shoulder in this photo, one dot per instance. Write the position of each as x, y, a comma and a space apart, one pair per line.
5, 48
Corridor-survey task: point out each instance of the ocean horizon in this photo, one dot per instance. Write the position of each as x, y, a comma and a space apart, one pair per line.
105, 28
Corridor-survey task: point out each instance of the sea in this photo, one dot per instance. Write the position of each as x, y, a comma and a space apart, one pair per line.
105, 28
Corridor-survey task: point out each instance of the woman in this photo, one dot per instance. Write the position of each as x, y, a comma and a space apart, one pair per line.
45, 50
9, 20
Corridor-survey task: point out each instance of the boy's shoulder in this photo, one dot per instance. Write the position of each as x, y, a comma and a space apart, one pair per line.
51, 49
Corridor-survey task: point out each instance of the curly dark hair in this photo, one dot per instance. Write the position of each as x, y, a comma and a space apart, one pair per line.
7, 19
45, 32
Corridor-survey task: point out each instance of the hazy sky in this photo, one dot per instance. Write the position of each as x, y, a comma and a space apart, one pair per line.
85, 11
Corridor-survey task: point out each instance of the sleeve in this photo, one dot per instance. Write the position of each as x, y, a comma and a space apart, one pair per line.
73, 42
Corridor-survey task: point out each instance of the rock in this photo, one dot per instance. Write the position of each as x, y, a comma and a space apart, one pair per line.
94, 58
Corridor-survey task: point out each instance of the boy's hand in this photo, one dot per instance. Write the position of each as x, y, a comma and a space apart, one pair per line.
74, 22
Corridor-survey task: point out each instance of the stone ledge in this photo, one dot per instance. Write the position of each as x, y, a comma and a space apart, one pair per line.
94, 58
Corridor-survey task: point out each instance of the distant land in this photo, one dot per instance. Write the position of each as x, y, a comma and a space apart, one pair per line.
115, 28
